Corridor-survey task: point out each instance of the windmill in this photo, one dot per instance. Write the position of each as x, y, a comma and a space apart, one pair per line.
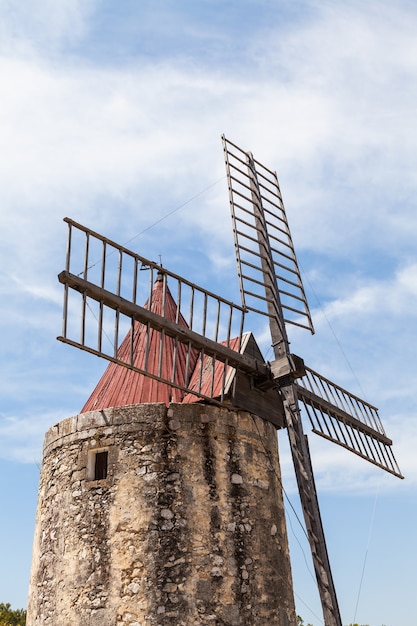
204, 353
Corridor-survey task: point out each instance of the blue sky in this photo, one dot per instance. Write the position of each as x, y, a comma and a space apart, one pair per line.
111, 113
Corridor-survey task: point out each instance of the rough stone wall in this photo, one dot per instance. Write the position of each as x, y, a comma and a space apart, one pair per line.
187, 528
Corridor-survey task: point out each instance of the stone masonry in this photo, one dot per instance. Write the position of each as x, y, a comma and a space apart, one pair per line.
186, 529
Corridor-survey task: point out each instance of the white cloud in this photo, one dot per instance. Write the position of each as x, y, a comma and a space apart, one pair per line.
395, 296
118, 148
21, 437
335, 467
85, 132
350, 99
42, 25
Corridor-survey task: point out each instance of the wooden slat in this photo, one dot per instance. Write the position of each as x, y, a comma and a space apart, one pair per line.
345, 419
185, 335
267, 211
320, 403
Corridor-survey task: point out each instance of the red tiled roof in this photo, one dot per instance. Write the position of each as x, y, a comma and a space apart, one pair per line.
120, 386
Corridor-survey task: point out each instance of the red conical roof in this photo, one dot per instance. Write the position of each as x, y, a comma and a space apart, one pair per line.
121, 386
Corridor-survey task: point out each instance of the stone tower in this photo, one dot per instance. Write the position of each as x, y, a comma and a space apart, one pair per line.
156, 510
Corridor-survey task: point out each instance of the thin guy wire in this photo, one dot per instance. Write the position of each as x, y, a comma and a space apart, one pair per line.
164, 217
267, 453
197, 195
95, 317
371, 525
277, 477
332, 330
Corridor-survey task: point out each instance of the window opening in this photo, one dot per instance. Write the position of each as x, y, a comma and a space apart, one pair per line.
100, 466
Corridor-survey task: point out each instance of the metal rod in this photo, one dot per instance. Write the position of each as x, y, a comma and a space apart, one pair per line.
116, 332
174, 360
147, 345
201, 367
191, 320
119, 272
65, 312
135, 281
161, 352
68, 255
213, 371
187, 374
132, 342
178, 303
103, 264
216, 333
204, 323
87, 245
100, 326
83, 307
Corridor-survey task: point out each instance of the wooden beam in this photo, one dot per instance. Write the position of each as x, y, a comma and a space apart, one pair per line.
332, 410
259, 370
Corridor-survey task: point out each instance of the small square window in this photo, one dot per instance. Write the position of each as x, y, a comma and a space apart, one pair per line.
100, 466
97, 464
